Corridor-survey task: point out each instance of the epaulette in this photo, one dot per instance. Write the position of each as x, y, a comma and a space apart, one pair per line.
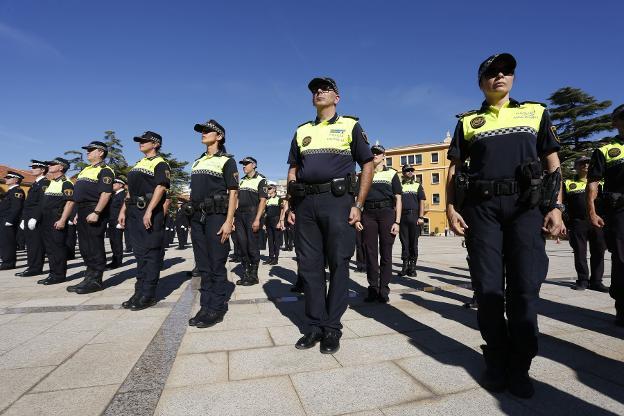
534, 102
467, 113
353, 117
303, 124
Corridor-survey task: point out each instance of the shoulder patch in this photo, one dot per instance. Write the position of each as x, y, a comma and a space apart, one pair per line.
68, 192
534, 102
107, 180
303, 124
352, 117
467, 113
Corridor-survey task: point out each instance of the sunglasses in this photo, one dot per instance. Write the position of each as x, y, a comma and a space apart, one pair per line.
493, 73
324, 88
143, 141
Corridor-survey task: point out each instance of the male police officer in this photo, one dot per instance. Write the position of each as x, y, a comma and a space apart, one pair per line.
580, 231
608, 163
412, 217
321, 182
252, 197
115, 230
10, 215
92, 192
31, 218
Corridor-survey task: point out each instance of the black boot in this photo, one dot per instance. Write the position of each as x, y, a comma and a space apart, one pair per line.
598, 287
411, 270
520, 384
92, 284
245, 273
87, 274
129, 302
252, 278
373, 295
581, 285
495, 375
53, 280
405, 268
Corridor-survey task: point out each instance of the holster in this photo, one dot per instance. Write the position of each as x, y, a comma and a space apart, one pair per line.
530, 182
460, 183
188, 209
339, 186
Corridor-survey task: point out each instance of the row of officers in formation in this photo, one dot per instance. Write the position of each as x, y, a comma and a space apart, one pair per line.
504, 192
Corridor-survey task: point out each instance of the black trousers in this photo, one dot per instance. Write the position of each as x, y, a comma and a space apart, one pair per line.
614, 235
274, 236
289, 236
237, 249
508, 265
377, 242
91, 237
115, 237
360, 256
182, 236
210, 258
54, 242
34, 245
147, 248
8, 242
323, 234
580, 232
128, 244
408, 234
70, 241
248, 240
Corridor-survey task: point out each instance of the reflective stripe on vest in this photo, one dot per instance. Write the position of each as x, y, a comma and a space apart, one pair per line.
410, 187
324, 137
56, 187
209, 165
525, 118
251, 184
384, 176
148, 165
91, 173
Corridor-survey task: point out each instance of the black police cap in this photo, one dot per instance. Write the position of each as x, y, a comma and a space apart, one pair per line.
210, 125
580, 160
505, 59
407, 168
96, 145
12, 174
378, 149
248, 159
38, 164
119, 180
59, 161
151, 136
323, 81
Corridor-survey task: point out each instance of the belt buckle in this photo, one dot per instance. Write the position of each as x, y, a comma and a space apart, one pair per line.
141, 203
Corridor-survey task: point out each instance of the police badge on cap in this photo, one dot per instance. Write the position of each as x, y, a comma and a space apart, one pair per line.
209, 126
14, 175
38, 164
503, 61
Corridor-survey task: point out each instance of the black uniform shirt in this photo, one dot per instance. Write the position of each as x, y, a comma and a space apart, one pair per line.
181, 219
11, 206
213, 175
146, 175
274, 206
574, 198
410, 199
251, 190
58, 193
386, 184
32, 204
115, 206
92, 181
611, 171
498, 141
326, 150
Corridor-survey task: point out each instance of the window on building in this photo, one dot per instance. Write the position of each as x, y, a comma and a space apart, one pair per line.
388, 161
403, 160
434, 157
435, 178
435, 200
418, 159
410, 159
418, 178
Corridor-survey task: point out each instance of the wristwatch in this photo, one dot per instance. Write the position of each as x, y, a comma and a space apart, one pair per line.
359, 206
97, 213
560, 207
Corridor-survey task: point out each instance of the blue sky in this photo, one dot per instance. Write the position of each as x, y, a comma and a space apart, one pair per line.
72, 69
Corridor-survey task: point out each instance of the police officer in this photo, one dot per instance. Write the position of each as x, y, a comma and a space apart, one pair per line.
57, 206
72, 237
252, 198
607, 163
580, 231
92, 193
115, 230
380, 225
321, 181
31, 216
10, 216
182, 226
142, 215
274, 232
214, 189
509, 144
412, 217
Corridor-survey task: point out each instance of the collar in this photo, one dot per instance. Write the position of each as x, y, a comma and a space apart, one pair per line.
121, 190
408, 180
251, 177
39, 178
60, 178
12, 186
97, 164
330, 121
485, 107
208, 156
153, 157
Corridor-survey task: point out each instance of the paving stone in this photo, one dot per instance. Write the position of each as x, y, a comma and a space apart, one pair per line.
132, 329
43, 317
15, 382
196, 369
15, 333
353, 389
88, 321
375, 349
269, 396
6, 318
64, 403
244, 322
198, 342
267, 362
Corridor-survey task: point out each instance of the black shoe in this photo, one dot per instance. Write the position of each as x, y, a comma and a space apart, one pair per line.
92, 283
494, 380
50, 280
129, 302
250, 281
360, 269
208, 319
274, 262
372, 295
128, 250
28, 273
383, 299
411, 270
309, 340
268, 261
142, 303
180, 248
193, 321
330, 342
7, 266
112, 265
404, 268
598, 287
521, 385
582, 285
40, 281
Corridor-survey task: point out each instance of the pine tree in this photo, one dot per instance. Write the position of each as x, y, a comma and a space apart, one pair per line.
115, 159
179, 179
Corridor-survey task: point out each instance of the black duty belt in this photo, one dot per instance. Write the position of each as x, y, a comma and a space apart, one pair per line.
378, 204
409, 211
317, 188
487, 188
140, 201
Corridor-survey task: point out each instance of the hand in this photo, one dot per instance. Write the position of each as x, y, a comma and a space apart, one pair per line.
119, 227
359, 226
553, 222
355, 215
291, 218
92, 218
596, 221
32, 223
75, 220
280, 225
395, 229
255, 226
457, 223
121, 219
8, 224
59, 225
564, 230
225, 231
147, 219
420, 221
22, 225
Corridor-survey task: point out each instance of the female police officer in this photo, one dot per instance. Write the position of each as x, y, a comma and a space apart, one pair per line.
143, 216
380, 221
213, 177
509, 144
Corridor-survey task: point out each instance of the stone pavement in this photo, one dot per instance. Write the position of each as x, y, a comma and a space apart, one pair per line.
68, 354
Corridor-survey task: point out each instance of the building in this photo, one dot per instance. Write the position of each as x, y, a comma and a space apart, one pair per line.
26, 183
431, 167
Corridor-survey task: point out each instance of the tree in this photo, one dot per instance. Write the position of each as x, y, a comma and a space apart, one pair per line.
179, 178
116, 159
578, 119
76, 163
